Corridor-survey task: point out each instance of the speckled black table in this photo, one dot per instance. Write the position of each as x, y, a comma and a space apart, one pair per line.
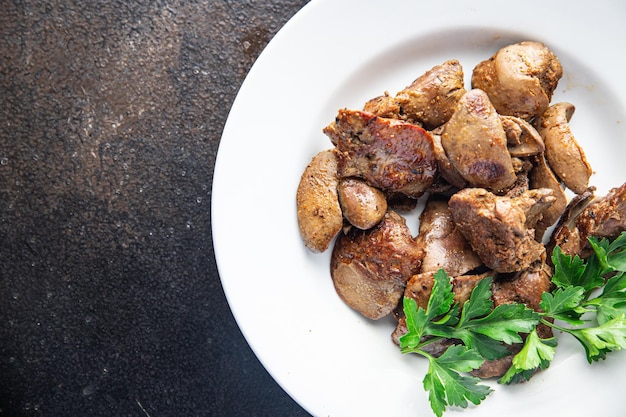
110, 118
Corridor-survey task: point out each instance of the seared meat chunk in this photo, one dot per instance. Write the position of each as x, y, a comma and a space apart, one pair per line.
541, 176
519, 79
563, 153
522, 138
476, 144
448, 174
587, 216
429, 101
388, 154
526, 286
384, 106
499, 228
362, 205
566, 234
318, 210
400, 202
605, 217
444, 245
521, 167
370, 268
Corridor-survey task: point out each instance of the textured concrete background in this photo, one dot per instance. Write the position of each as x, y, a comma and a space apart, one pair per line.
110, 117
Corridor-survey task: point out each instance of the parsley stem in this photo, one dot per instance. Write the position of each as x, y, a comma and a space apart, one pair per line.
427, 342
555, 326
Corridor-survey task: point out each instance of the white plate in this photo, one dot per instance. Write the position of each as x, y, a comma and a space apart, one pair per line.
336, 54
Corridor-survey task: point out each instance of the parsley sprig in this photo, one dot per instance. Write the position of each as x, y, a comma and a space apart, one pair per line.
588, 303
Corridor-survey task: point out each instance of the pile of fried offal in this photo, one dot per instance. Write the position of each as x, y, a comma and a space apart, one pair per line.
492, 165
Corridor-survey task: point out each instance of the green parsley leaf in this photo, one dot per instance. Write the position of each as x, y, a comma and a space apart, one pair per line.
611, 255
600, 340
485, 329
617, 261
489, 348
480, 302
593, 275
445, 384
617, 253
416, 320
460, 358
441, 297
572, 271
483, 332
536, 354
612, 302
618, 244
601, 249
564, 304
505, 323
567, 270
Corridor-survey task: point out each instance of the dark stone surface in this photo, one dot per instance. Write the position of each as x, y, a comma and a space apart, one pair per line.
110, 118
